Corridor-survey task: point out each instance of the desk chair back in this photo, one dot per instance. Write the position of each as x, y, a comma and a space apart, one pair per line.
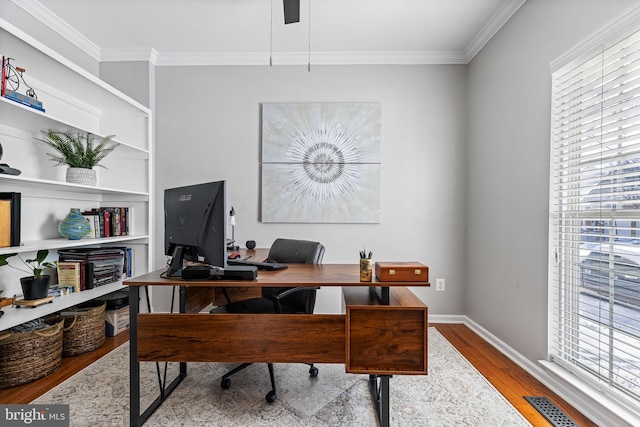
293, 251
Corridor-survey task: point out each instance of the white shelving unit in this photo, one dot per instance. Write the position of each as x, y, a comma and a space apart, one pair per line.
74, 101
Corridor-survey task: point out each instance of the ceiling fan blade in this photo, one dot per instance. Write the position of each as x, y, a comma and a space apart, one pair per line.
291, 11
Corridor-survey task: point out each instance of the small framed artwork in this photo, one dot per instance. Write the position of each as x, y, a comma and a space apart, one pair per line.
10, 208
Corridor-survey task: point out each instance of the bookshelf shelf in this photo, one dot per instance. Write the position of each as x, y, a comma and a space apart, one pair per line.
61, 243
75, 101
14, 316
23, 117
51, 185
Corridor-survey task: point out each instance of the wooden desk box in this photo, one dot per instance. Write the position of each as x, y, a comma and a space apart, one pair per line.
402, 272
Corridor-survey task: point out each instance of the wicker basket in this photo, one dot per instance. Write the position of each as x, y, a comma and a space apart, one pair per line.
27, 356
84, 328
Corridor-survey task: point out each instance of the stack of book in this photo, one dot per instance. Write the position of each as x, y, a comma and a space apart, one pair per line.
108, 222
87, 268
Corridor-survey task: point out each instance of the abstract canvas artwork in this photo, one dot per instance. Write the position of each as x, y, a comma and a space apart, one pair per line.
321, 162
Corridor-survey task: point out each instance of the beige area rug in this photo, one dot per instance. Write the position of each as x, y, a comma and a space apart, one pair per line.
453, 394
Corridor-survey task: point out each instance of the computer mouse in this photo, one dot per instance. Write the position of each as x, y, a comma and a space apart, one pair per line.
234, 255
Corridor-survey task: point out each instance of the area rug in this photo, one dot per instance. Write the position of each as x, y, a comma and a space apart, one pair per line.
453, 394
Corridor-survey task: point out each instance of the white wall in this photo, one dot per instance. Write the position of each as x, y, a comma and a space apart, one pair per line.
508, 152
208, 128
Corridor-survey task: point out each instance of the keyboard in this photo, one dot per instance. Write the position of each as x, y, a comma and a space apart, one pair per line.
261, 265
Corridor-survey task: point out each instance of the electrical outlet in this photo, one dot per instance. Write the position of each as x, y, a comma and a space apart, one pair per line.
440, 285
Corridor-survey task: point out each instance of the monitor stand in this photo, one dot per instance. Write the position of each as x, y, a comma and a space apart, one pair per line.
175, 267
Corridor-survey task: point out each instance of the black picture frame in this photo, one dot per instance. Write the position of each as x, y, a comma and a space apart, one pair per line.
15, 199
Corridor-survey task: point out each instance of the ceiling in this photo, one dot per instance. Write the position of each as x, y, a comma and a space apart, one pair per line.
210, 32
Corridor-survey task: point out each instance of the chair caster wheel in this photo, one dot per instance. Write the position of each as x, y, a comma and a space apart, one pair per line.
313, 372
226, 383
271, 396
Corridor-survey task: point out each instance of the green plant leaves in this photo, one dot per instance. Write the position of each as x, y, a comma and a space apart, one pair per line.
77, 151
35, 265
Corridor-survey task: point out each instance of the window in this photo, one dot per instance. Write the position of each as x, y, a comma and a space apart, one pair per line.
595, 217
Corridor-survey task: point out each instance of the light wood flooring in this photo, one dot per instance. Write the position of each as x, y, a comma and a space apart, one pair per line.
511, 380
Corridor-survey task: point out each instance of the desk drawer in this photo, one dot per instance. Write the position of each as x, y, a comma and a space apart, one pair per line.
385, 339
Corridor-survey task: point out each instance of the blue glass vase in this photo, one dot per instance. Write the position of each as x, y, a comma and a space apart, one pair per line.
74, 226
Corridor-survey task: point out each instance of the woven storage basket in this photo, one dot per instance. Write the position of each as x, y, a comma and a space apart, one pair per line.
27, 356
84, 330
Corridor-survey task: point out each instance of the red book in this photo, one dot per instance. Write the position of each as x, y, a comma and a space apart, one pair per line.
3, 77
107, 222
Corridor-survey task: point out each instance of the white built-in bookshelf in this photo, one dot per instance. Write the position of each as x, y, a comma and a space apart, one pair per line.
74, 101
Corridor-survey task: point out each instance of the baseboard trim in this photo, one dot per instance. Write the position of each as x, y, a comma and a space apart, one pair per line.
598, 407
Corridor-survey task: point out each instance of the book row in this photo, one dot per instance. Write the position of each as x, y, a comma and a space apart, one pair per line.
108, 222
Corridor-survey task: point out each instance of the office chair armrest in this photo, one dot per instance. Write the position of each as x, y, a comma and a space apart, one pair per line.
277, 297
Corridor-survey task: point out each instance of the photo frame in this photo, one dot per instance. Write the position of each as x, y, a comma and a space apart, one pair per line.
10, 206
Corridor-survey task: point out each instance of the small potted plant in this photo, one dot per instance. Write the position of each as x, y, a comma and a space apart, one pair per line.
35, 286
79, 152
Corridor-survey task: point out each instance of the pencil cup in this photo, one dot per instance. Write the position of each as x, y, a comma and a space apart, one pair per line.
366, 270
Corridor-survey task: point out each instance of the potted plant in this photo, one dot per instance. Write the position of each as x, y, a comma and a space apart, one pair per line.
35, 286
79, 152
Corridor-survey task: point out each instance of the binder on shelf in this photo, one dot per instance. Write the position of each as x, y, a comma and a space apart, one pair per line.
87, 274
14, 201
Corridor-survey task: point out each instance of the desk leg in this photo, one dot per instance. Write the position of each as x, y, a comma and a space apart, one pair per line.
134, 365
380, 394
381, 293
136, 419
380, 391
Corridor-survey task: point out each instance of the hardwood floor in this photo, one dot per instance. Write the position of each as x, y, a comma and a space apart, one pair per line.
511, 380
507, 377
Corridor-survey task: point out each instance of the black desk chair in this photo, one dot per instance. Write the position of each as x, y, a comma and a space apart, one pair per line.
280, 300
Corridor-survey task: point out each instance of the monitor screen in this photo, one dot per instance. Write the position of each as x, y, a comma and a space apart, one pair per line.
195, 225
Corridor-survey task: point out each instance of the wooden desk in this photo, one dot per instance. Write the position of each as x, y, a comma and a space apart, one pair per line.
380, 333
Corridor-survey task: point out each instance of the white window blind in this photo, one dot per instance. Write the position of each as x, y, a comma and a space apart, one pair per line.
595, 226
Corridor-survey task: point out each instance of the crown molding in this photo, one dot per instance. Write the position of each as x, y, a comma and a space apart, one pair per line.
502, 15
142, 54
53, 21
48, 18
288, 58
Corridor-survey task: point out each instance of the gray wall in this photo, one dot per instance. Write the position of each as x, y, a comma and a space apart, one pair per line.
465, 159
509, 97
208, 128
131, 78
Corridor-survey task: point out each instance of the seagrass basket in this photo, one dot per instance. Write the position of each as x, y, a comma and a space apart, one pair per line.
84, 328
28, 356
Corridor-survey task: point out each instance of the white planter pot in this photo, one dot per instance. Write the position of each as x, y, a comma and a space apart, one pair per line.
81, 176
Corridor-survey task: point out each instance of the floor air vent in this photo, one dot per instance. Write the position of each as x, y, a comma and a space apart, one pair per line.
551, 412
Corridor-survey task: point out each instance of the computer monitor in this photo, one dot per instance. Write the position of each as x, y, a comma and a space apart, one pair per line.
195, 225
